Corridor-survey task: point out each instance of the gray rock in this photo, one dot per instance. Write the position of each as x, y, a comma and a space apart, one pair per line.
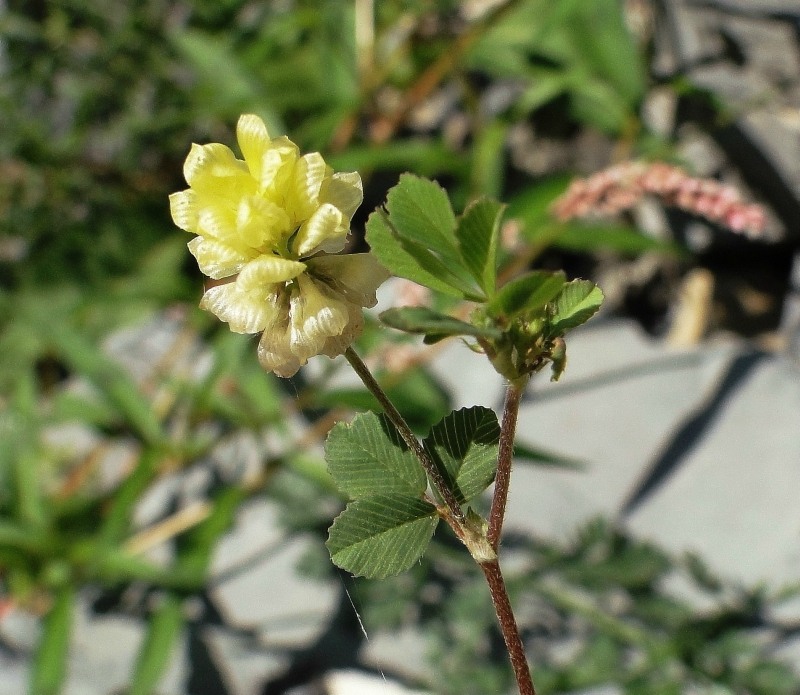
255, 583
734, 499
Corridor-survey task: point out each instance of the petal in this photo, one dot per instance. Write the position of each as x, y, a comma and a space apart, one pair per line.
327, 223
216, 259
356, 276
246, 312
260, 222
183, 207
267, 270
303, 195
275, 354
274, 349
253, 139
344, 190
315, 317
337, 344
277, 164
219, 222
206, 164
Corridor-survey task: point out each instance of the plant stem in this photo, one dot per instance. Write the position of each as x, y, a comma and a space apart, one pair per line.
438, 482
504, 457
508, 627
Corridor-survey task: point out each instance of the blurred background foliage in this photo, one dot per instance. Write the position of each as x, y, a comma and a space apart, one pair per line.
100, 102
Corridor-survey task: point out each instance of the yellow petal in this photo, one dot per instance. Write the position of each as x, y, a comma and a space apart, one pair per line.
246, 312
216, 259
218, 222
355, 276
253, 138
344, 190
277, 165
326, 224
267, 270
315, 317
260, 222
205, 165
183, 207
303, 195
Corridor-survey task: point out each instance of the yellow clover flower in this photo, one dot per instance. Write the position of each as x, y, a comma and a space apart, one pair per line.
266, 224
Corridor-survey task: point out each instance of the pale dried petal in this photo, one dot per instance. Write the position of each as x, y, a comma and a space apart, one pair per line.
327, 223
343, 190
253, 139
315, 316
246, 312
274, 349
337, 344
217, 259
268, 270
183, 207
356, 276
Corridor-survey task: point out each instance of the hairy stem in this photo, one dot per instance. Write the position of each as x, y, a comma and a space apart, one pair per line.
504, 457
438, 482
508, 627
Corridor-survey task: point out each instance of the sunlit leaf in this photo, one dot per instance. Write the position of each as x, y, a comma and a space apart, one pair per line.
417, 319
382, 535
477, 232
527, 294
392, 254
368, 457
577, 303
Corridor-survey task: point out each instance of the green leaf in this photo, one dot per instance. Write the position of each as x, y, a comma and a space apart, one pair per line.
382, 535
369, 457
420, 211
466, 444
50, 662
477, 232
577, 303
419, 319
419, 218
162, 633
111, 379
527, 294
392, 254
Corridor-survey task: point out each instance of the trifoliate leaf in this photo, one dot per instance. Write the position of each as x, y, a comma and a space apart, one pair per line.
381, 535
527, 294
477, 232
466, 444
419, 221
368, 457
576, 304
387, 247
420, 211
417, 319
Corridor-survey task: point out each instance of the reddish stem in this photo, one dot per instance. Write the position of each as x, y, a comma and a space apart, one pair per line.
508, 627
505, 455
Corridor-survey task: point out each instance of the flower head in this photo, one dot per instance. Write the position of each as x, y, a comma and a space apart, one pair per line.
265, 226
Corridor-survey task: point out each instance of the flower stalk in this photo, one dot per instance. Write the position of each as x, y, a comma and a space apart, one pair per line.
438, 482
